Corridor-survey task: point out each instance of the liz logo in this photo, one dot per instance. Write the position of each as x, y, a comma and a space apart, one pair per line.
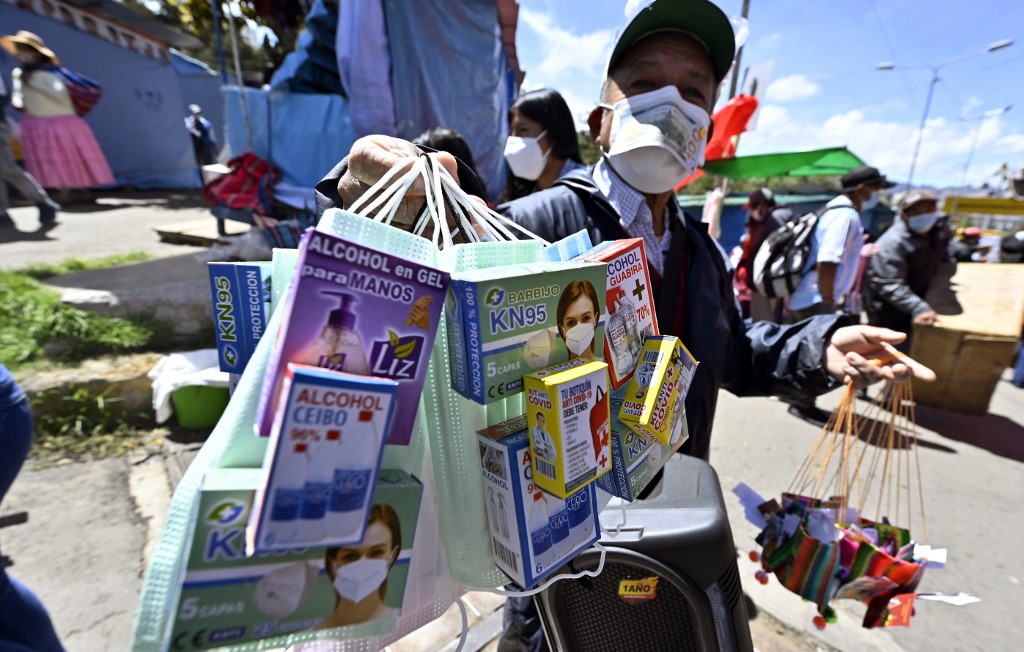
398, 357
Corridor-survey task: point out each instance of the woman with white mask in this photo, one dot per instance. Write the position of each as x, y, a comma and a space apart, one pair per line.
359, 573
578, 319
542, 145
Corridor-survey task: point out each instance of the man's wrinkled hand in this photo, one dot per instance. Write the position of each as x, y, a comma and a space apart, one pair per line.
866, 355
926, 318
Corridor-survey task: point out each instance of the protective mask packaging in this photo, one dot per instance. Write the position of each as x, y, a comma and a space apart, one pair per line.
241, 309
228, 598
631, 310
322, 460
355, 309
654, 405
568, 418
504, 323
533, 533
635, 461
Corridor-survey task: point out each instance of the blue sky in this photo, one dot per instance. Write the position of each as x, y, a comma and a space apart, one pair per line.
824, 87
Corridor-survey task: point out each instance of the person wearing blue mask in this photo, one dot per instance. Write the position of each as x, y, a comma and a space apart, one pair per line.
897, 278
833, 263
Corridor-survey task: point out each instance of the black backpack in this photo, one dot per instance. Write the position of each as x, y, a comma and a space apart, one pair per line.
781, 260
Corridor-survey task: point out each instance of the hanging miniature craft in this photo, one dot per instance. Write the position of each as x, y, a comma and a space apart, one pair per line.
820, 542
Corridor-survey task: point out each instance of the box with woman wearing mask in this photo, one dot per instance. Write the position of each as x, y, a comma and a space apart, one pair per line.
354, 591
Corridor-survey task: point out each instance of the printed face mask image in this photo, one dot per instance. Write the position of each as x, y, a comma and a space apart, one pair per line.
537, 350
281, 592
579, 337
357, 580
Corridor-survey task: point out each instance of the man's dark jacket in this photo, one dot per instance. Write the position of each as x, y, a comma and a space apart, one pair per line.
745, 358
897, 278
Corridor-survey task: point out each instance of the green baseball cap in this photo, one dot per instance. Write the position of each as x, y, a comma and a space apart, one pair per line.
700, 18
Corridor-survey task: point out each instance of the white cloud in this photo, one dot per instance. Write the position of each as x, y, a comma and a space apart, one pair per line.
565, 51
791, 88
890, 145
770, 42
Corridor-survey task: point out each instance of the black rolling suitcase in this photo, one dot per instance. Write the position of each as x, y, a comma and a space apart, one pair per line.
670, 581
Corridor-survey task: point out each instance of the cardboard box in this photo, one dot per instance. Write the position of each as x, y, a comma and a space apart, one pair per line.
654, 404
532, 533
632, 314
503, 322
229, 599
568, 418
635, 461
322, 460
241, 309
355, 309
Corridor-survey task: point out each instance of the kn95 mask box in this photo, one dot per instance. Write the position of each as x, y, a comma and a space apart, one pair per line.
356, 309
654, 405
532, 533
630, 304
635, 460
567, 413
241, 309
227, 598
322, 460
505, 322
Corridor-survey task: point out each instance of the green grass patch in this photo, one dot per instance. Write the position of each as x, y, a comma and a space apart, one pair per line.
35, 324
49, 270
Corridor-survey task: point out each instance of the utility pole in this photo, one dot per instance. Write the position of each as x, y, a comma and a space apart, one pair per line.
739, 56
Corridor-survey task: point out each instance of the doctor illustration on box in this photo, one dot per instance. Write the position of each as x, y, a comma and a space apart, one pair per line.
578, 316
359, 573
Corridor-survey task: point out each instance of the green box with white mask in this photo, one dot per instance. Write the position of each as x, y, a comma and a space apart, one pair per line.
229, 599
505, 322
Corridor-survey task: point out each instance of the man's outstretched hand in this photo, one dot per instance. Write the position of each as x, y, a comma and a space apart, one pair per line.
855, 351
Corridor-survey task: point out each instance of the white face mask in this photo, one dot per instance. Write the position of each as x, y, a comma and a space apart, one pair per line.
579, 337
525, 157
360, 578
922, 223
657, 139
870, 202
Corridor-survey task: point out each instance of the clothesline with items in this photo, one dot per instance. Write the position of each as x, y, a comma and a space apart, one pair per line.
412, 418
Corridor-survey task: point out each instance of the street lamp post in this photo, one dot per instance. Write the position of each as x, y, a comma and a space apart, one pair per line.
992, 47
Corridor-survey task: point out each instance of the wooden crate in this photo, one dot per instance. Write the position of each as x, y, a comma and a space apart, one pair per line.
981, 313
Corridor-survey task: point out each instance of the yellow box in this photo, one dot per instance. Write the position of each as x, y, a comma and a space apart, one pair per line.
568, 418
654, 406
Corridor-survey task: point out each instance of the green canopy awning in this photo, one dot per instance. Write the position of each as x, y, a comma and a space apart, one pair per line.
820, 162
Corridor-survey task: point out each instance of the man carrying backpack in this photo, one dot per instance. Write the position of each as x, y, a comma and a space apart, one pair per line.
831, 270
765, 216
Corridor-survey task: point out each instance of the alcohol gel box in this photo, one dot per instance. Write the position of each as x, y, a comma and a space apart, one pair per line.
654, 405
567, 413
635, 461
322, 460
358, 310
533, 533
229, 599
631, 309
241, 310
504, 323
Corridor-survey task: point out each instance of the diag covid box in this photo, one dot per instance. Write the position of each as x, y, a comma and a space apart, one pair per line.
654, 405
567, 414
532, 532
505, 322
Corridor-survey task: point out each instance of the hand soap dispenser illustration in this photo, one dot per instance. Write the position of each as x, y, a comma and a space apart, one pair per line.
599, 427
338, 347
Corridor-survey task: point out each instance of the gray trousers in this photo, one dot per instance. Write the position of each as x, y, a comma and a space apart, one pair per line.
12, 173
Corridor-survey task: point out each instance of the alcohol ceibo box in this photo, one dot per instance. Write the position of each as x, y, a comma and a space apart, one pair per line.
360, 310
227, 598
568, 418
507, 321
632, 314
635, 461
655, 402
241, 309
322, 460
532, 533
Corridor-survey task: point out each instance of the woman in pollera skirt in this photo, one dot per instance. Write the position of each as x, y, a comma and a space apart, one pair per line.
59, 148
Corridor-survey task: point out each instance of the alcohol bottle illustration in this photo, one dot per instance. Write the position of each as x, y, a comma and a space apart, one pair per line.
289, 487
338, 347
558, 516
540, 533
635, 342
315, 494
502, 516
581, 523
599, 426
492, 510
617, 335
350, 485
